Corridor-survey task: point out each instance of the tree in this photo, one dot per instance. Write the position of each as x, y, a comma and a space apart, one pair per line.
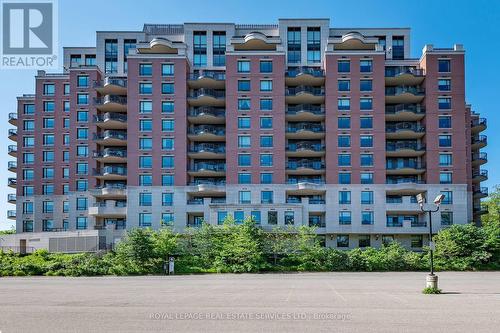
491, 225
135, 254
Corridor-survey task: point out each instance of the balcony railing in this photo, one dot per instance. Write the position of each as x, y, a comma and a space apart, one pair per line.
390, 128
408, 180
313, 71
478, 122
395, 91
480, 139
12, 181
12, 149
195, 201
480, 173
12, 132
208, 92
208, 147
110, 99
313, 180
110, 116
316, 201
11, 165
402, 145
196, 130
315, 165
480, 156
120, 82
120, 135
206, 110
112, 186
108, 152
11, 197
11, 214
12, 116
205, 166
405, 164
400, 70
316, 91
305, 146
215, 75
209, 181
414, 108
481, 190
111, 170
418, 224
305, 127
311, 108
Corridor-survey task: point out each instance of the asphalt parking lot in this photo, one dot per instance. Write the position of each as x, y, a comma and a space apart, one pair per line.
308, 302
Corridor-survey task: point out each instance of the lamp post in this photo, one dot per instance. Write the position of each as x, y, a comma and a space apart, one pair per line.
432, 279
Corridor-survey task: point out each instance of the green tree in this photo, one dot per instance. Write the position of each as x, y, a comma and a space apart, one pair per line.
135, 254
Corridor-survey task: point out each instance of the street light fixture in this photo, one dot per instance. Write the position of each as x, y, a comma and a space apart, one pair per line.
432, 279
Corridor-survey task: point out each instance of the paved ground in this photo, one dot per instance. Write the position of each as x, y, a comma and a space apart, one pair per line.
315, 302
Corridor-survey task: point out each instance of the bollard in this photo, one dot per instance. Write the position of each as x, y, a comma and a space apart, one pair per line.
432, 281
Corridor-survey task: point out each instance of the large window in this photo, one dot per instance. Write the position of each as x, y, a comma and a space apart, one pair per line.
145, 219
266, 197
81, 223
219, 48
344, 197
293, 44
367, 217
345, 217
243, 66
367, 197
200, 48
111, 55
245, 197
314, 44
444, 65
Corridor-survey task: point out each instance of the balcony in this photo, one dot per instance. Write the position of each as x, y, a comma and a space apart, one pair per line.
111, 86
305, 112
480, 192
479, 158
478, 125
11, 214
13, 118
305, 95
403, 95
305, 167
479, 176
479, 142
110, 191
111, 173
111, 103
12, 182
207, 97
417, 224
11, 198
404, 149
305, 149
195, 201
208, 169
110, 155
207, 133
301, 131
109, 209
12, 166
111, 120
208, 187
111, 138
403, 75
303, 185
405, 130
405, 167
207, 151
207, 115
12, 149
308, 76
404, 112
207, 79
12, 134
403, 185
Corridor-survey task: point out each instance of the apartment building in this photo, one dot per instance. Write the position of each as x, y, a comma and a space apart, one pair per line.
295, 123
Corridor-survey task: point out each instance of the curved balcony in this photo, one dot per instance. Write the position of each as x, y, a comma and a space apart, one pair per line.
109, 209
208, 169
404, 130
111, 138
305, 112
208, 187
480, 192
111, 103
308, 76
305, 131
479, 176
403, 75
305, 149
405, 185
207, 97
305, 167
405, 167
404, 95
11, 198
404, 149
12, 182
110, 155
207, 151
478, 125
12, 166
404, 112
479, 142
305, 95
111, 120
207, 115
12, 149
110, 191
313, 185
13, 118
11, 214
207, 133
479, 158
12, 134
207, 79
111, 173
111, 86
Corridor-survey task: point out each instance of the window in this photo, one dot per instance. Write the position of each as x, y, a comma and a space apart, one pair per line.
448, 197
444, 121
266, 160
145, 125
445, 159
28, 191
266, 66
28, 174
366, 122
266, 85
82, 168
446, 218
167, 162
243, 104
82, 151
445, 177
145, 219
48, 207
145, 143
90, 60
344, 66
200, 48
219, 48
266, 197
243, 122
367, 197
81, 204
344, 177
167, 88
366, 217
82, 133
417, 241
244, 197
145, 88
344, 85
344, 141
48, 139
398, 49
366, 177
28, 226
82, 185
344, 122
344, 197
272, 217
293, 44
48, 156
28, 125
146, 180
167, 219
365, 85
342, 240
266, 178
243, 66
344, 159
244, 160
444, 65
266, 141
444, 85
167, 180
239, 216
244, 141
29, 109
366, 141
167, 125
49, 89
28, 141
243, 85
345, 217
266, 104
365, 104
145, 162
48, 123
444, 103
82, 116
244, 178
75, 60
28, 158
167, 69
445, 141
66, 106
167, 199
289, 218
111, 55
365, 66
313, 44
82, 99
48, 106
255, 215
343, 104
221, 217
82, 81
81, 223
266, 122
145, 107
65, 206
364, 240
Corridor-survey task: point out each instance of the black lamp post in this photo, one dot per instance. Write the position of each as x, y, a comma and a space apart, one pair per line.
432, 280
